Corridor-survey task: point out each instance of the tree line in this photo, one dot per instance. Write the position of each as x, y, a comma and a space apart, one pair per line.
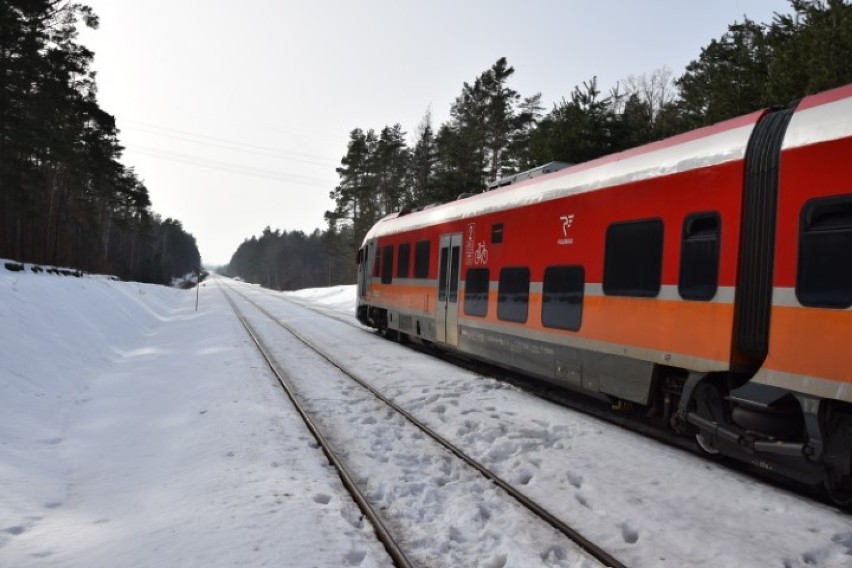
494, 131
283, 260
65, 199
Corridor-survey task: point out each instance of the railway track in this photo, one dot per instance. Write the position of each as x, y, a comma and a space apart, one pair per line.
628, 419
376, 518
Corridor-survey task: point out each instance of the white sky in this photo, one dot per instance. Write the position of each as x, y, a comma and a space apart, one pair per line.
235, 114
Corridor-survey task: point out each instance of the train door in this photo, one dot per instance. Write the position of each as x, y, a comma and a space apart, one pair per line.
447, 316
363, 270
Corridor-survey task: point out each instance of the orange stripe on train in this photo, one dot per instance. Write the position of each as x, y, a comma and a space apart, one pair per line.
697, 329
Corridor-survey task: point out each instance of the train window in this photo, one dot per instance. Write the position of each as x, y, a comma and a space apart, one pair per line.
699, 256
476, 283
421, 259
377, 264
387, 264
513, 294
454, 274
442, 275
824, 272
497, 233
404, 255
562, 297
633, 259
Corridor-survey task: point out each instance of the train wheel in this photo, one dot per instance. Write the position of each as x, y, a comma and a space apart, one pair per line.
839, 489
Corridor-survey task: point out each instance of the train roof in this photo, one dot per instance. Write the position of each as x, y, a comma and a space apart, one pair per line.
816, 119
821, 117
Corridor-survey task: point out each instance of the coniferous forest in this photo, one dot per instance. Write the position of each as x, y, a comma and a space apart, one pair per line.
494, 131
65, 199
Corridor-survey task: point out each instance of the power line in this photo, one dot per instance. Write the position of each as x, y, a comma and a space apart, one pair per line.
224, 143
228, 166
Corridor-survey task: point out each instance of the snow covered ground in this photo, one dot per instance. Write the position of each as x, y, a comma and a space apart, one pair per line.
135, 431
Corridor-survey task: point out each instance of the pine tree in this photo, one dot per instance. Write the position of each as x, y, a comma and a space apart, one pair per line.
421, 167
812, 49
355, 196
576, 130
66, 199
389, 164
729, 77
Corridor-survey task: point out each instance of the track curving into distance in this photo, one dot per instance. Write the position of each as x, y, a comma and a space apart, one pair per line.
383, 534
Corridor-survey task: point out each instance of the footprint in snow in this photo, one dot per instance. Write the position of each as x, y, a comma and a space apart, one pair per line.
322, 498
524, 478
16, 530
355, 557
844, 539
629, 533
498, 561
574, 479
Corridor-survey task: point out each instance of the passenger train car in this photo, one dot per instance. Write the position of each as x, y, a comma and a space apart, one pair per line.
705, 279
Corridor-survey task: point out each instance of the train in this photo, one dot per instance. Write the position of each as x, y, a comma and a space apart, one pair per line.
703, 281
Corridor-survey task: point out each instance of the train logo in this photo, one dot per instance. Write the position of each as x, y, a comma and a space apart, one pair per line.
567, 222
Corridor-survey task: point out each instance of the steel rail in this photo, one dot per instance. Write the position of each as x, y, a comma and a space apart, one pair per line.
594, 550
581, 402
383, 534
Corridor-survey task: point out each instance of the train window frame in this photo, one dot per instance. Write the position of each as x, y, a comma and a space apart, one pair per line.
403, 260
442, 274
422, 254
455, 267
513, 297
700, 253
476, 291
387, 264
633, 258
377, 263
824, 264
496, 233
563, 308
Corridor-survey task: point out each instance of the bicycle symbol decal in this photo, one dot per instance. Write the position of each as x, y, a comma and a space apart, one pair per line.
481, 254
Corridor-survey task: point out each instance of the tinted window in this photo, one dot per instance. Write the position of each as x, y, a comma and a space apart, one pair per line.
824, 276
377, 263
513, 294
562, 297
454, 274
442, 275
497, 233
421, 259
476, 285
402, 260
633, 260
387, 264
699, 257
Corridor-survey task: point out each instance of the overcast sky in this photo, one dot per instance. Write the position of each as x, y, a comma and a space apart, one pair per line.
235, 114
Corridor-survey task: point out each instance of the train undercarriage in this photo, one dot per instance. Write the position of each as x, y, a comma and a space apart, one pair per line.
786, 434
801, 437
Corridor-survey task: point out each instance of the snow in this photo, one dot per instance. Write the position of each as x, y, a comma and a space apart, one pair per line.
135, 431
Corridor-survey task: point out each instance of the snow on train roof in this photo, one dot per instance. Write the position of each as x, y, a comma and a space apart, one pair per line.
822, 117
700, 148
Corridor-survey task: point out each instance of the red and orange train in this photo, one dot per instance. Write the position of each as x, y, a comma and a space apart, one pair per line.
706, 278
